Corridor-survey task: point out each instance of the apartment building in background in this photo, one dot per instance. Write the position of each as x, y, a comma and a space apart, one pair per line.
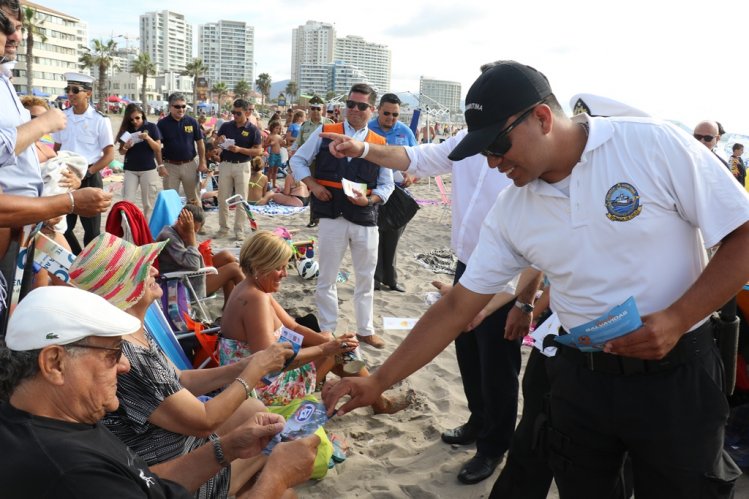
227, 49
447, 93
372, 59
167, 37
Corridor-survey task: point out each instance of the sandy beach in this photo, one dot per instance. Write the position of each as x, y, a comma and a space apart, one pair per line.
400, 455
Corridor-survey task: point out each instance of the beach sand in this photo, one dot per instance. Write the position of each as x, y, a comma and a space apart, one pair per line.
400, 455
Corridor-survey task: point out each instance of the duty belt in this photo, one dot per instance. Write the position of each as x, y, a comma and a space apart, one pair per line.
691, 345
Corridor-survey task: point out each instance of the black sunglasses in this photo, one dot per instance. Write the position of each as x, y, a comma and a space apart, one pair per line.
502, 143
115, 352
361, 106
315, 108
237, 113
388, 113
706, 138
75, 90
176, 106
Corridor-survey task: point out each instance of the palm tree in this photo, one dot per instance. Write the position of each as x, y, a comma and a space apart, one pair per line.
143, 66
32, 22
263, 84
101, 56
242, 89
221, 90
195, 69
291, 90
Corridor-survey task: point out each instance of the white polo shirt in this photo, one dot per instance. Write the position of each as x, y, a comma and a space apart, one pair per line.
475, 187
86, 134
630, 226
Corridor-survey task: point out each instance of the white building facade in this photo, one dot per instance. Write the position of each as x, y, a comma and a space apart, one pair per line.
373, 59
311, 43
167, 38
445, 92
227, 49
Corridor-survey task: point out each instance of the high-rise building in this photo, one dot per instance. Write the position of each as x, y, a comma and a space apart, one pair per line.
167, 38
336, 77
228, 52
445, 92
373, 59
311, 43
53, 57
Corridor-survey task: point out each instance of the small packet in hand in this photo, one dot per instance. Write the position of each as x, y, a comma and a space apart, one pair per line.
296, 342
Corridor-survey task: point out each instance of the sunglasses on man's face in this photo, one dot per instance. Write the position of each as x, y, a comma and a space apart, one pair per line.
361, 106
705, 138
388, 113
502, 142
73, 90
313, 108
237, 113
177, 106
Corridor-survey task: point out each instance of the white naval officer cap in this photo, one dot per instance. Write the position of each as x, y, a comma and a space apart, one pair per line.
86, 81
596, 105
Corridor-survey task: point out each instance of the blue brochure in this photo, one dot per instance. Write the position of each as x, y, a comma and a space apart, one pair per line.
296, 342
593, 335
310, 416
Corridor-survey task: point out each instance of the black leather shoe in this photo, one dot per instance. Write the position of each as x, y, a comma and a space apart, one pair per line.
478, 468
377, 285
462, 435
397, 287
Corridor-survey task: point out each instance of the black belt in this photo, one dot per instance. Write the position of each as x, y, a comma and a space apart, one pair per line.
692, 345
238, 161
178, 162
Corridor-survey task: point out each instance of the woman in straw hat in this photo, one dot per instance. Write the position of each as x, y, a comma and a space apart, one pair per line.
253, 320
160, 416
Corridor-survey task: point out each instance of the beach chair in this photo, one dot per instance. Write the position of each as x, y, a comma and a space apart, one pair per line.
445, 200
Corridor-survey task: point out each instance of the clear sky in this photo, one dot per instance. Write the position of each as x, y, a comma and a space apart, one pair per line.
677, 59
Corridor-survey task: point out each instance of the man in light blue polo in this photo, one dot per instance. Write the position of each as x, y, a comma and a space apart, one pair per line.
396, 133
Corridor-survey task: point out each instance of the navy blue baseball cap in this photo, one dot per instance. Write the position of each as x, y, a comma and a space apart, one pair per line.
504, 89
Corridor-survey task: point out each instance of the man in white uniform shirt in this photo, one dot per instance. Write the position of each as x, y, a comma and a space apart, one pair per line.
608, 208
88, 133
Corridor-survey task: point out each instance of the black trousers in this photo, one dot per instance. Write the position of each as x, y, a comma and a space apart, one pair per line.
670, 423
91, 225
385, 271
489, 366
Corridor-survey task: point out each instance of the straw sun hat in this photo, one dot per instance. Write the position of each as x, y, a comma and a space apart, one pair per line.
114, 269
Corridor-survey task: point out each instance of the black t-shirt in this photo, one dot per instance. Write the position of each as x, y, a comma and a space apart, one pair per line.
141, 157
246, 136
42, 457
179, 137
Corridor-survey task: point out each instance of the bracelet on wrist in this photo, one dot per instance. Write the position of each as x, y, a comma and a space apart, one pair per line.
247, 389
72, 202
365, 152
218, 451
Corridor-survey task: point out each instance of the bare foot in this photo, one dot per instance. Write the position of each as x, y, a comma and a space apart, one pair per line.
393, 404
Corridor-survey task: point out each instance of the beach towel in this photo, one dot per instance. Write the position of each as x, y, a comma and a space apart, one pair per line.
439, 261
273, 209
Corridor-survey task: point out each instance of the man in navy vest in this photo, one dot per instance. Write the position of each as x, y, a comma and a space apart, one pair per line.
346, 220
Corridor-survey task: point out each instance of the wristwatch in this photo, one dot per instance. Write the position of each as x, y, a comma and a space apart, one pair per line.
525, 307
369, 201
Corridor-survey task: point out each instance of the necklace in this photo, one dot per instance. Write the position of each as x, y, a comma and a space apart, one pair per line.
140, 341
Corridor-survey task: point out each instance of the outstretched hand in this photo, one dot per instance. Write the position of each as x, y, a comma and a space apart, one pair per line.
342, 146
363, 392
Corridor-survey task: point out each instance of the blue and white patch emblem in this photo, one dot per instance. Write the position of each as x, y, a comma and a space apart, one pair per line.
622, 203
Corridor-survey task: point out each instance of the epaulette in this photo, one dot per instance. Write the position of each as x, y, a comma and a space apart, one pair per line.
101, 114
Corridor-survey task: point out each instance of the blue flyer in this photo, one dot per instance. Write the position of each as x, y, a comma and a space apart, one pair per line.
296, 342
310, 416
593, 335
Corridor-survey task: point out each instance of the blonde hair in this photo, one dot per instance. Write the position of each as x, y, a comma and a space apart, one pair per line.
264, 252
257, 164
29, 101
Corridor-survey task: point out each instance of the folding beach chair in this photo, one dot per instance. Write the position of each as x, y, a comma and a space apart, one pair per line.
445, 200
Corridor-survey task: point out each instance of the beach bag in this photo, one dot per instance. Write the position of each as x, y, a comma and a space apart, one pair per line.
398, 211
324, 450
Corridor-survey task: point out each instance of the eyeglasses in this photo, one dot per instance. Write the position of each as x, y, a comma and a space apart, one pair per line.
237, 113
361, 106
388, 113
113, 357
502, 143
73, 90
315, 108
176, 106
705, 138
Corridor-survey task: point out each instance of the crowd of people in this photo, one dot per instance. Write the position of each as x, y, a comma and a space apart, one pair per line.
90, 403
